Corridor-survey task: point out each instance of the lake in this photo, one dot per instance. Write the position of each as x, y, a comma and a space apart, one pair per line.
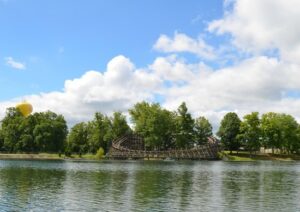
149, 186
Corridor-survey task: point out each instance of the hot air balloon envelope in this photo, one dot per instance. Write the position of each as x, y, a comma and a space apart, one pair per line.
25, 108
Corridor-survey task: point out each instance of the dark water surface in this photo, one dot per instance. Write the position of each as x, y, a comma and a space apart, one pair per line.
149, 186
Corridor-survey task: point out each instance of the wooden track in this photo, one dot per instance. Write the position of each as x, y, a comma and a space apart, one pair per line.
132, 147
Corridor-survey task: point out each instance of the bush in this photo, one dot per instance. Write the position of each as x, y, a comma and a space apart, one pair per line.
100, 153
68, 152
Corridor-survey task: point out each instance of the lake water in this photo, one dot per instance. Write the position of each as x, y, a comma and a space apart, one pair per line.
149, 186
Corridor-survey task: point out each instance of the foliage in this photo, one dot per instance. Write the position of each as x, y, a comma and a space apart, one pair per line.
280, 131
229, 130
98, 133
77, 138
203, 130
119, 125
154, 124
38, 132
184, 127
250, 132
100, 153
161, 129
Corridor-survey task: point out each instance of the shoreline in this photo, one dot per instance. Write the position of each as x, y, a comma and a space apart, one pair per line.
247, 157
224, 156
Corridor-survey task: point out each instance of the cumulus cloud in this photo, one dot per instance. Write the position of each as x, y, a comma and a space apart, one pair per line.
183, 43
14, 64
258, 26
260, 82
256, 84
116, 89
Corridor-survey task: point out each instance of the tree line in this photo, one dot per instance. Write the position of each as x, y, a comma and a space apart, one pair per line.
39, 132
160, 128
272, 131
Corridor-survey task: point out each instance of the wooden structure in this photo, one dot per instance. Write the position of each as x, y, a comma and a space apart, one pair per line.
132, 147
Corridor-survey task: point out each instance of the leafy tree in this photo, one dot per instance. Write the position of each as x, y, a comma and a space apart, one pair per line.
184, 127
1, 140
271, 132
38, 132
11, 129
203, 130
229, 130
280, 131
99, 133
154, 124
49, 132
289, 129
78, 138
119, 125
250, 131
297, 145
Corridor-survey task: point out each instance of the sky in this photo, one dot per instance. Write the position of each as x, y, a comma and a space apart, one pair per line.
79, 57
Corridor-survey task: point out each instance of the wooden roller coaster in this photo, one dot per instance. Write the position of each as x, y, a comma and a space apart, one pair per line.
132, 147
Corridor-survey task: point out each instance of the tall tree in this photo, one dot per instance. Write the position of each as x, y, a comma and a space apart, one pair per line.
280, 131
154, 124
78, 138
184, 127
229, 130
38, 132
289, 129
119, 125
250, 132
203, 130
99, 133
50, 131
271, 132
11, 129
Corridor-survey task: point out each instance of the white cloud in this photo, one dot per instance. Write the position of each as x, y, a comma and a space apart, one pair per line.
118, 88
258, 26
183, 43
259, 83
256, 84
14, 64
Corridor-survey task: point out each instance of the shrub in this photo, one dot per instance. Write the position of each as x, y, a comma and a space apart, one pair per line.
100, 153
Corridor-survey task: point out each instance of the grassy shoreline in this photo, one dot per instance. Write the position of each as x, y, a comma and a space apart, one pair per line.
246, 156
224, 155
45, 156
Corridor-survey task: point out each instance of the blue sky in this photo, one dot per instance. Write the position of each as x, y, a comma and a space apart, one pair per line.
59, 40
79, 57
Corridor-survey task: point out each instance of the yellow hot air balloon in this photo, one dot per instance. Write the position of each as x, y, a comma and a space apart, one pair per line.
25, 108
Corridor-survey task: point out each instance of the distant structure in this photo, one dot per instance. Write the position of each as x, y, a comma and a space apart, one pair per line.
132, 147
25, 108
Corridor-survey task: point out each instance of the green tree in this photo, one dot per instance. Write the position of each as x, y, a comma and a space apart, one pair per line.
250, 132
203, 130
154, 124
11, 129
78, 138
271, 132
280, 131
289, 130
50, 132
38, 132
99, 133
229, 130
1, 140
119, 125
184, 127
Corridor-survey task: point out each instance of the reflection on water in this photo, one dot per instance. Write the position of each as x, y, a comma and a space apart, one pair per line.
149, 186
